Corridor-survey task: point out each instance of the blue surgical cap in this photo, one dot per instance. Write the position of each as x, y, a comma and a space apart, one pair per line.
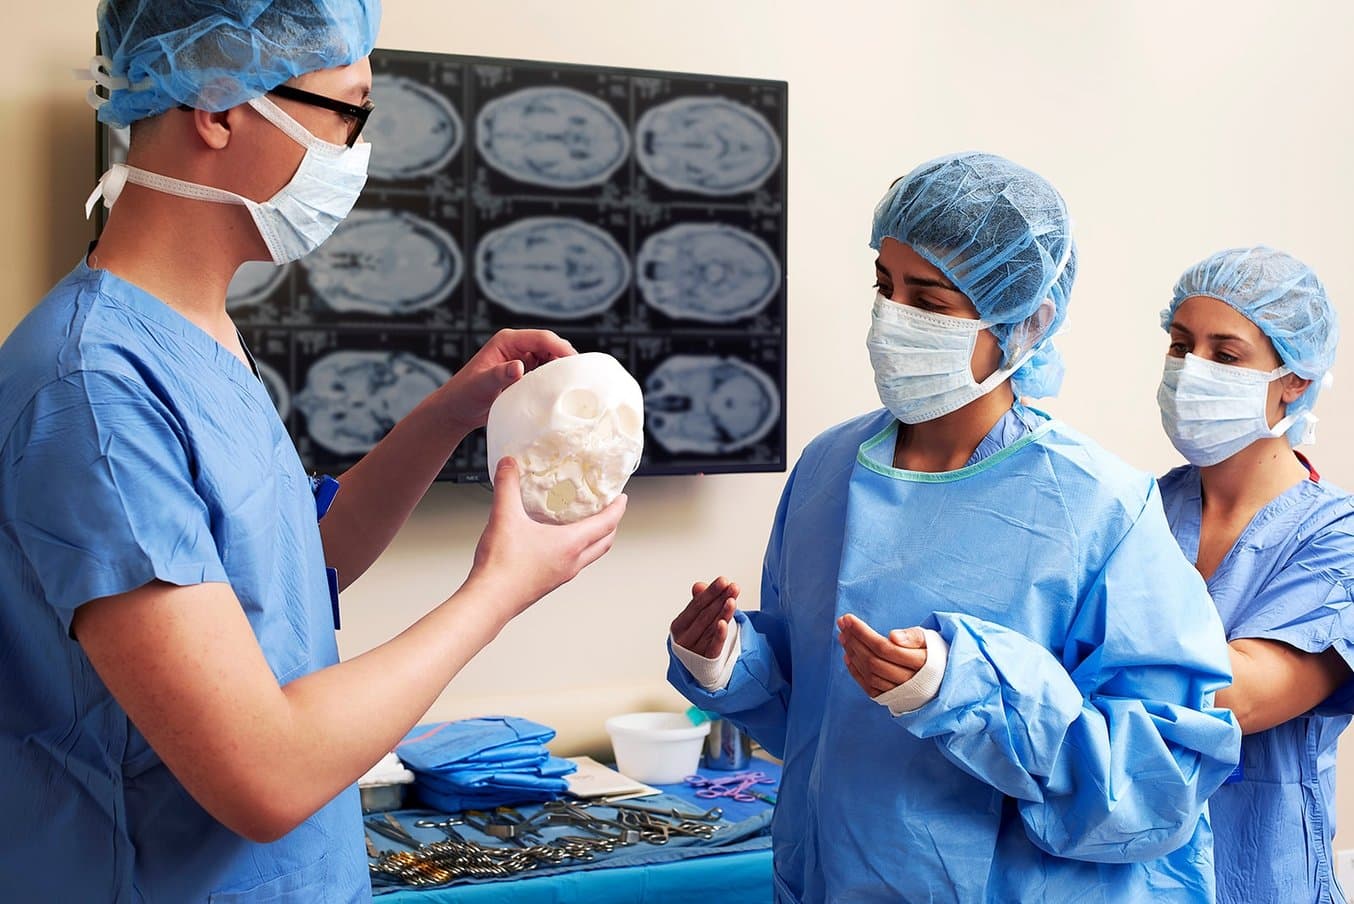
217, 54
1002, 235
1283, 297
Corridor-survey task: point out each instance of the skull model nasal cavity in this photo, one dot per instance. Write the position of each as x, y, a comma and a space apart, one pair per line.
575, 426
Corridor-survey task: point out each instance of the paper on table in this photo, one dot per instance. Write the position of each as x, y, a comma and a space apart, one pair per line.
595, 780
389, 770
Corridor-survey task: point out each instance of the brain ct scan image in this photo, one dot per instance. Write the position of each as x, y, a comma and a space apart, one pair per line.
352, 399
707, 145
277, 389
414, 131
384, 262
253, 282
707, 271
552, 136
554, 267
709, 404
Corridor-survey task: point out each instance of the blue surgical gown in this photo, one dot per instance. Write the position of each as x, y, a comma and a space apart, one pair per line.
1289, 577
133, 447
1072, 745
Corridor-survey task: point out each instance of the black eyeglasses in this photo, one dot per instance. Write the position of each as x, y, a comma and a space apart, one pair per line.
356, 115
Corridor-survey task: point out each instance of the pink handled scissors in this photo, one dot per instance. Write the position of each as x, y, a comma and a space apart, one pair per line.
736, 786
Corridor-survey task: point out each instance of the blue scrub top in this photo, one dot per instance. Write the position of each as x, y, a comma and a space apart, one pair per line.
134, 447
1071, 748
1289, 577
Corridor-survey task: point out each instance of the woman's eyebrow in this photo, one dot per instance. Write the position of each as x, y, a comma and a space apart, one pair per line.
1177, 327
918, 281
925, 283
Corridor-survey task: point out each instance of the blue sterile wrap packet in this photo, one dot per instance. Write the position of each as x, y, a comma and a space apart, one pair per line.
483, 763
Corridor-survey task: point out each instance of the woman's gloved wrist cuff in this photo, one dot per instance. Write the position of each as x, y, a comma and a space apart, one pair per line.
923, 687
711, 674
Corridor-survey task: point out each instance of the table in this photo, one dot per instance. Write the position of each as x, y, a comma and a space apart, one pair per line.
740, 875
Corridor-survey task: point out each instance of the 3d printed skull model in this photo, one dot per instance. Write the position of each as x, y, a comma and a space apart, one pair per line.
575, 426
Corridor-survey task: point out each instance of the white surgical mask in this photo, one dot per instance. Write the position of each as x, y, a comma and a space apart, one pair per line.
293, 222
1212, 411
923, 361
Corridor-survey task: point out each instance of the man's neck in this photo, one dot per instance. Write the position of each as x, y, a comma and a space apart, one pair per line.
182, 252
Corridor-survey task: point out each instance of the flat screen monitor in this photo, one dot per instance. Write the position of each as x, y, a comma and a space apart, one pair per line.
633, 212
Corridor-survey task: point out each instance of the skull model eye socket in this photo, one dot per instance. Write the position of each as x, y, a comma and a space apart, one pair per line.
629, 420
581, 403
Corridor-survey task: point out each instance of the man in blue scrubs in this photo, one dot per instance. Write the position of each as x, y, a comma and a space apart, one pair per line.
176, 725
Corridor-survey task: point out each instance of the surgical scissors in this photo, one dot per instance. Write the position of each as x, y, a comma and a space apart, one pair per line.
736, 787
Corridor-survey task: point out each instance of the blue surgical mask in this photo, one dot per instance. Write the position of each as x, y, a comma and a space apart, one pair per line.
303, 213
1212, 411
923, 362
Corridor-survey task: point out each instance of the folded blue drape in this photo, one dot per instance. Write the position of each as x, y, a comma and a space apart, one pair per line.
481, 763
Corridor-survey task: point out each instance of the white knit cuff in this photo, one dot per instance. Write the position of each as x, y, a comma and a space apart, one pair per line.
712, 674
922, 688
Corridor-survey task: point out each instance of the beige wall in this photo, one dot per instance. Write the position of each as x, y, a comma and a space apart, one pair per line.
1173, 130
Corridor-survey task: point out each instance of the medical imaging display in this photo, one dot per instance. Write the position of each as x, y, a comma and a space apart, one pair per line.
384, 262
707, 271
556, 267
352, 399
709, 145
637, 213
709, 404
554, 137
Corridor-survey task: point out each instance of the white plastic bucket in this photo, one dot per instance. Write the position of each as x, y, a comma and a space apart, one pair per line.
656, 748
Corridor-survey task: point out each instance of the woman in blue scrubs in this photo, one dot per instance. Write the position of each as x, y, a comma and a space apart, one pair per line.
978, 649
175, 724
1252, 338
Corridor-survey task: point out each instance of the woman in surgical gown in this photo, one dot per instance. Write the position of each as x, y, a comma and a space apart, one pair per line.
1023, 710
1252, 337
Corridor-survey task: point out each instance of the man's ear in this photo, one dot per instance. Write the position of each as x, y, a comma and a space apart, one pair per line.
213, 128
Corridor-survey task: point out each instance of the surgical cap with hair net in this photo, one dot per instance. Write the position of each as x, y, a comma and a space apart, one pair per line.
217, 54
1002, 235
1283, 297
